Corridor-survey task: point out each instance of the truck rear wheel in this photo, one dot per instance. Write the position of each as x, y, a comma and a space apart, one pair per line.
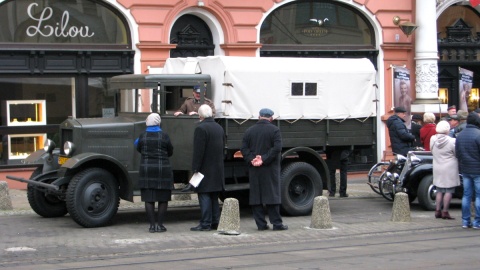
301, 183
92, 197
42, 203
427, 193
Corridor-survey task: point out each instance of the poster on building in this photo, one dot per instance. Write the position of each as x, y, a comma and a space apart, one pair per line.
464, 88
401, 91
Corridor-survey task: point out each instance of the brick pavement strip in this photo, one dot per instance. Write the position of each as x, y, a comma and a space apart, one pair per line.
28, 238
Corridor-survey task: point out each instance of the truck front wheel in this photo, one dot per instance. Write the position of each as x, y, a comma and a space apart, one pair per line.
426, 193
42, 203
92, 197
301, 183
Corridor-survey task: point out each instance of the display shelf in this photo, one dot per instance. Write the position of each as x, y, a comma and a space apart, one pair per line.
21, 146
24, 112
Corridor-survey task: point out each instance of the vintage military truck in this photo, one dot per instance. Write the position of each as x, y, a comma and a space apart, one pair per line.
319, 104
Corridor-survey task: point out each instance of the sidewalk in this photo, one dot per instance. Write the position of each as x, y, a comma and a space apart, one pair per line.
357, 187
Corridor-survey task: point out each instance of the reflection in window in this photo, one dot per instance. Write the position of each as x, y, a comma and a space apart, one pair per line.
61, 21
57, 92
316, 22
101, 101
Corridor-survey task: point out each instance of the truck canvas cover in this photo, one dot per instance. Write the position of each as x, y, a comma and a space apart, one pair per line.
294, 88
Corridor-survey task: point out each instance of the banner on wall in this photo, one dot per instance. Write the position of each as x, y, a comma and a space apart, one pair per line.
401, 91
464, 87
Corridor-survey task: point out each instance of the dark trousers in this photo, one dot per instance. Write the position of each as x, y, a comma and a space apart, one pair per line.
209, 207
273, 215
343, 177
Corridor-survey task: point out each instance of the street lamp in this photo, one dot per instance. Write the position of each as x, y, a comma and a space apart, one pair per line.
406, 27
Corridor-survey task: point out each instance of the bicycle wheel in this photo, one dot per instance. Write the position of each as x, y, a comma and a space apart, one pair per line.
385, 186
374, 175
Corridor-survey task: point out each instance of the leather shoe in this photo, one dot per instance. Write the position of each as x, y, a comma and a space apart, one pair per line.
214, 226
200, 228
344, 195
151, 229
331, 194
280, 228
264, 228
160, 228
187, 188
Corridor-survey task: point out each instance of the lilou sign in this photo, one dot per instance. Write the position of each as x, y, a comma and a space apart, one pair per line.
47, 28
60, 21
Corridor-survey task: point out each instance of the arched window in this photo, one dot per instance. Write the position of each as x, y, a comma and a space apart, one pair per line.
316, 26
62, 22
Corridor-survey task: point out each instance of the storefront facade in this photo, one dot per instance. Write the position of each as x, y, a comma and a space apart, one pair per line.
61, 62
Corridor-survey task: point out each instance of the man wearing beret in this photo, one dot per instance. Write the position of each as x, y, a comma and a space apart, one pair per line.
400, 138
261, 149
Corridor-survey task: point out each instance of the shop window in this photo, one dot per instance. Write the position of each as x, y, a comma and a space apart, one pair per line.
62, 21
316, 22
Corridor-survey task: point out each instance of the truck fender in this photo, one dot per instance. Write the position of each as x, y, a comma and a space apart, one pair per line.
43, 158
104, 161
310, 156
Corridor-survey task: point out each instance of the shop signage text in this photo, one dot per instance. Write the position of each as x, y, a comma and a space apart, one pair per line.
59, 29
314, 31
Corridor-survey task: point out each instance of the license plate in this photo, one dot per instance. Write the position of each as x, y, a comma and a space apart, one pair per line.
62, 160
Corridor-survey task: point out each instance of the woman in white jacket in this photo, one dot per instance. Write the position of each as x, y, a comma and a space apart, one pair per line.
445, 168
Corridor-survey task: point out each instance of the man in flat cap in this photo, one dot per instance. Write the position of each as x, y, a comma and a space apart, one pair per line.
190, 105
261, 149
401, 139
462, 122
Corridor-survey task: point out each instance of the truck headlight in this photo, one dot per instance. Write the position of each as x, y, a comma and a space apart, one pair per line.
68, 148
49, 145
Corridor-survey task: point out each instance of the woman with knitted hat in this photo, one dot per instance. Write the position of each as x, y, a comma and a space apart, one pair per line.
155, 172
445, 168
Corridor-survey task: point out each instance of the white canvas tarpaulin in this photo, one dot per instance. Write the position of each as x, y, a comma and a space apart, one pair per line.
241, 86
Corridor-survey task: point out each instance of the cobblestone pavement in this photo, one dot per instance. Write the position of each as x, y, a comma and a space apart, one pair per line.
28, 238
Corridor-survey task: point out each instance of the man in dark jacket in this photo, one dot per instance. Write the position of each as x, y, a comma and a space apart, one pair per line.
208, 155
400, 139
261, 148
467, 150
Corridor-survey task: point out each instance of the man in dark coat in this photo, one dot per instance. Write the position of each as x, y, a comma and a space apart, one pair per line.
208, 156
467, 150
400, 139
261, 148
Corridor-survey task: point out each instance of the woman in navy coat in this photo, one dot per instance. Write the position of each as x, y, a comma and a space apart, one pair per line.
155, 172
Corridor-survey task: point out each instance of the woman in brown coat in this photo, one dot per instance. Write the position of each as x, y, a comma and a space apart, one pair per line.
445, 168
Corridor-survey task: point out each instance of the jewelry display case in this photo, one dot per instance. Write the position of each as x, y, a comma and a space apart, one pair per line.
24, 112
21, 146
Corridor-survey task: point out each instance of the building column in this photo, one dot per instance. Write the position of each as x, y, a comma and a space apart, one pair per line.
426, 57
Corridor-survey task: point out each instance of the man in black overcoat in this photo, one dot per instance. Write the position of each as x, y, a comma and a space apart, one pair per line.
208, 156
261, 148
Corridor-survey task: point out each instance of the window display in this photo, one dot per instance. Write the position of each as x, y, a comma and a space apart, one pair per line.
22, 145
25, 112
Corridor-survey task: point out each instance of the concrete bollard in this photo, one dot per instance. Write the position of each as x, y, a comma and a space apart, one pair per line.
401, 208
230, 217
321, 217
5, 200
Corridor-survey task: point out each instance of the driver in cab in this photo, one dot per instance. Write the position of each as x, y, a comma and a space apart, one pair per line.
191, 104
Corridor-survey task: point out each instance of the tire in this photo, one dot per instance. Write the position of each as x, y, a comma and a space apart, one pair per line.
45, 205
92, 197
426, 193
300, 184
375, 174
